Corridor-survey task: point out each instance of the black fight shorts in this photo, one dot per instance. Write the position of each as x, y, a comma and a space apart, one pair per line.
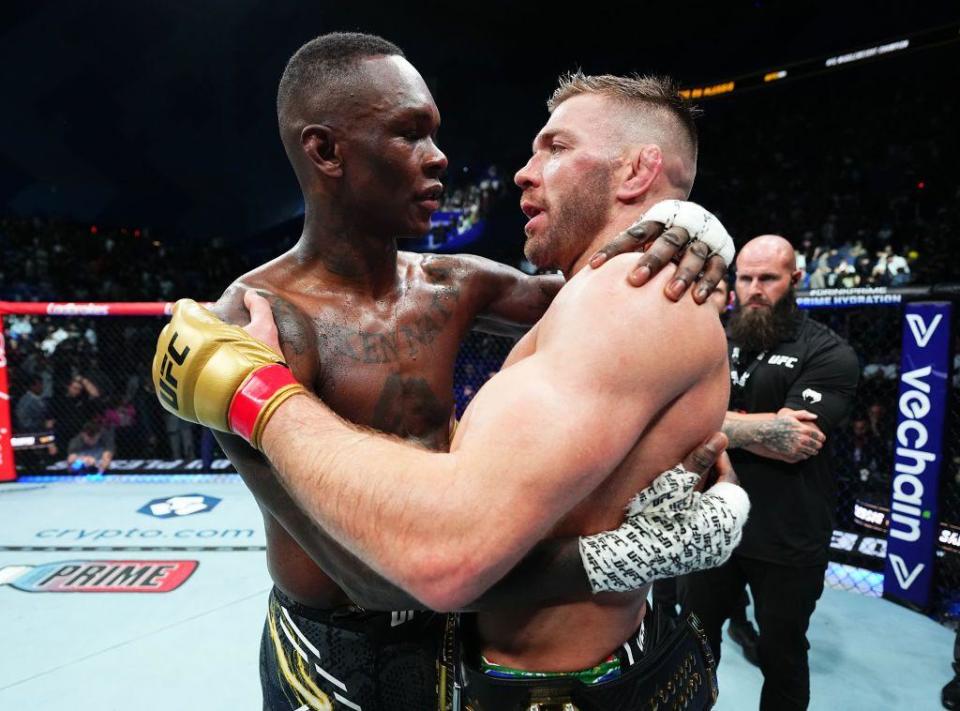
348, 659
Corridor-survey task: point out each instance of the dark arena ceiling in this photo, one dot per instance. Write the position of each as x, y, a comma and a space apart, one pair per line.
162, 113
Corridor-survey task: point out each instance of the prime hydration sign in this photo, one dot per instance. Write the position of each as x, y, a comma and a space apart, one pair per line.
919, 450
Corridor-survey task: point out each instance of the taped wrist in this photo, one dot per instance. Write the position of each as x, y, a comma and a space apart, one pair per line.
255, 401
666, 541
699, 224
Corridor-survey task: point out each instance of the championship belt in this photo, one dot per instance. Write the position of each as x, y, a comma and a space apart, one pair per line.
449, 666
677, 673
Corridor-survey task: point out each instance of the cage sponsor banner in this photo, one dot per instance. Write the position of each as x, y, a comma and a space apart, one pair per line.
8, 471
99, 576
138, 466
847, 298
877, 518
921, 407
89, 308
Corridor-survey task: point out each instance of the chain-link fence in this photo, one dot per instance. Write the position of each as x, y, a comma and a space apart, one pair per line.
81, 397
862, 449
479, 358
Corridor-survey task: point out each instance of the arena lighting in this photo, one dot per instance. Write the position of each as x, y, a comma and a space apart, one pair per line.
811, 67
867, 53
708, 91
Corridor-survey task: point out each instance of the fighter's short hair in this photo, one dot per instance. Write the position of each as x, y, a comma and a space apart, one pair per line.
642, 91
324, 60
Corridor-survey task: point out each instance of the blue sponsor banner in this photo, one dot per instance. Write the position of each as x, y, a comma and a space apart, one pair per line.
921, 407
847, 298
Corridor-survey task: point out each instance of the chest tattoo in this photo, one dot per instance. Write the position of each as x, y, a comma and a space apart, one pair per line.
372, 347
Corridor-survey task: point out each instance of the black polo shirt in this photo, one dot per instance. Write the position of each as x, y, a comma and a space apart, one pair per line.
792, 505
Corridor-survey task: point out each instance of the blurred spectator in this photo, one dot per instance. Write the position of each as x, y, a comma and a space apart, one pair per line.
149, 422
92, 449
879, 418
79, 405
891, 268
864, 458
464, 207
180, 435
880, 181
32, 413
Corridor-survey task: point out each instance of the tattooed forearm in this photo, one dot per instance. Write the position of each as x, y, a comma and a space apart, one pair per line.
741, 433
779, 434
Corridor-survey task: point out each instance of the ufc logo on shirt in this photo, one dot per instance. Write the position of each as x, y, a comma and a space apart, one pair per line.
785, 361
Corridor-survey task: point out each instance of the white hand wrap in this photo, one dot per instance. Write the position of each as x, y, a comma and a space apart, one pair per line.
670, 530
700, 224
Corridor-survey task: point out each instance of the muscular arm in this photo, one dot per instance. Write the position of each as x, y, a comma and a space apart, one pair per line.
445, 527
555, 565
510, 302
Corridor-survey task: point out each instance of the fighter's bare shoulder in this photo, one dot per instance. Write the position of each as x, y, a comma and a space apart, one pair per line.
264, 278
634, 327
294, 327
459, 268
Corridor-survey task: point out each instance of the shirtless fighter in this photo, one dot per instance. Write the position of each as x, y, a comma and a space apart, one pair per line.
574, 451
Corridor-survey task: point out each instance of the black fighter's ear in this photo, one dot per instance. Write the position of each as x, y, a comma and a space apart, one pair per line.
320, 144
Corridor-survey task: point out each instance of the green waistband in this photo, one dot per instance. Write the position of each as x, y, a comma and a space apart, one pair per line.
604, 671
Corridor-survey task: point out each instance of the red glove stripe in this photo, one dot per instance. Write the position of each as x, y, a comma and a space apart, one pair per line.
254, 394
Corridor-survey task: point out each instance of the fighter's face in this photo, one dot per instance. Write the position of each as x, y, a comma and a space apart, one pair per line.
568, 183
392, 165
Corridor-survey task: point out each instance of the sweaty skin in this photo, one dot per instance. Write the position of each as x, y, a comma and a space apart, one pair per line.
593, 403
555, 444
384, 362
374, 332
544, 638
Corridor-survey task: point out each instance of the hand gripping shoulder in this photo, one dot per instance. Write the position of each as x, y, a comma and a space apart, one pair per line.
215, 374
699, 224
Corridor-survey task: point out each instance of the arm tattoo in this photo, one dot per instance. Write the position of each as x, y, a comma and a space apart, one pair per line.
741, 433
778, 434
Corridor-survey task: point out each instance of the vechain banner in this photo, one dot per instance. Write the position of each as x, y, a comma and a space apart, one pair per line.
921, 404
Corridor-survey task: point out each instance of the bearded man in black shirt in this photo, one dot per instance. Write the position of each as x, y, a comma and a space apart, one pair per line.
793, 382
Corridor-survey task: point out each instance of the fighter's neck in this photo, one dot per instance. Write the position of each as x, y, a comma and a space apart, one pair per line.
346, 256
624, 218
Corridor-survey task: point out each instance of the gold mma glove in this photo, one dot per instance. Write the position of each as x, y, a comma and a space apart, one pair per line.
217, 375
